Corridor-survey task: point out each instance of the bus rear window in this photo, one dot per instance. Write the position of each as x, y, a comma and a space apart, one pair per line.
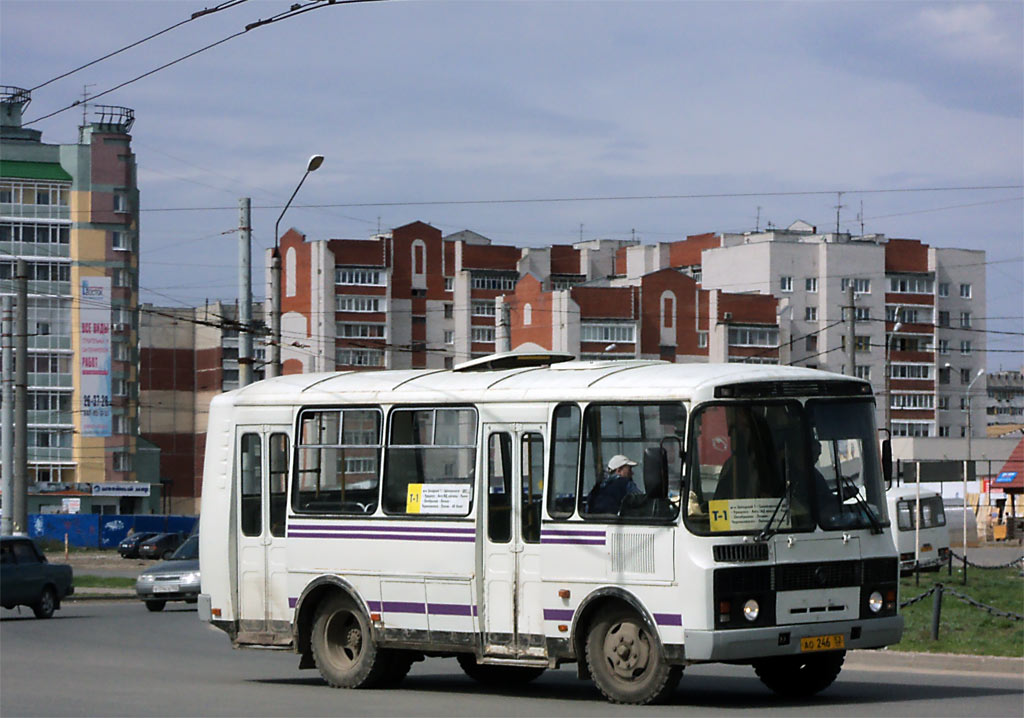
431, 455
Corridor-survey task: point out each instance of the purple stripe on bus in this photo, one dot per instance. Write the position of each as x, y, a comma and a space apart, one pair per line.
373, 606
292, 601
449, 609
390, 537
668, 619
554, 532
579, 542
380, 527
558, 614
403, 607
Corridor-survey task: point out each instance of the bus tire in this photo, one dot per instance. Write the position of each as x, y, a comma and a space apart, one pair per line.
625, 661
343, 646
800, 676
491, 675
399, 664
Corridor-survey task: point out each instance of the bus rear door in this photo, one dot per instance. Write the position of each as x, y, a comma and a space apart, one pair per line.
512, 619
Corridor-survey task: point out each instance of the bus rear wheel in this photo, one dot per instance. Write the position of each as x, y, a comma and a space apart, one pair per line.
625, 660
800, 676
343, 646
491, 675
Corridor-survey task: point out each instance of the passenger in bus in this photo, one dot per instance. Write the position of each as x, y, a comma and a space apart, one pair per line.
746, 473
616, 485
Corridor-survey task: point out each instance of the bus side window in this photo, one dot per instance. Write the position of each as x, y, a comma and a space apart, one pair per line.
251, 475
338, 462
532, 461
565, 456
278, 482
430, 462
499, 488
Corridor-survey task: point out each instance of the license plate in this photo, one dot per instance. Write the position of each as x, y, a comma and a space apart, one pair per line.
833, 642
173, 588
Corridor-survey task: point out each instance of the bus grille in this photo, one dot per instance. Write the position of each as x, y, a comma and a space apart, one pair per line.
740, 552
808, 576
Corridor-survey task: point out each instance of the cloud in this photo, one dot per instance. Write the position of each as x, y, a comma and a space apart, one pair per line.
972, 33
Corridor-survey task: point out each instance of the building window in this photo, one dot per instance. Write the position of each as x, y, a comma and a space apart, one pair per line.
943, 319
120, 202
863, 314
965, 375
359, 357
483, 309
965, 346
357, 304
360, 331
483, 334
965, 320
860, 343
863, 372
668, 310
860, 285
910, 371
911, 285
811, 314
786, 284
359, 277
911, 428
944, 292
594, 332
944, 431
449, 284
449, 336
811, 342
120, 240
965, 291
811, 284
944, 375
943, 346
527, 314
449, 362
912, 401
122, 461
702, 340
494, 282
753, 337
419, 257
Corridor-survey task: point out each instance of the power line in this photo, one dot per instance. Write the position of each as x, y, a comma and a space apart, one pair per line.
194, 16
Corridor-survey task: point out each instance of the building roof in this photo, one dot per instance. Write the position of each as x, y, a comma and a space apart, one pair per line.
1011, 477
33, 170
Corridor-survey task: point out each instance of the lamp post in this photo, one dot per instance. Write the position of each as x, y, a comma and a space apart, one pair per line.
968, 462
888, 377
274, 366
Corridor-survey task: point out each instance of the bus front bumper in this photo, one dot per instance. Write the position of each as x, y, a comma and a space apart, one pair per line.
749, 643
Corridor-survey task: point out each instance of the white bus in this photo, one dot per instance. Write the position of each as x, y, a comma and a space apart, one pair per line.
933, 533
365, 520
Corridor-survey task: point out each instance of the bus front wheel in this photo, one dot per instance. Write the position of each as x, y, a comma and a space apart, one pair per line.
800, 676
343, 646
625, 660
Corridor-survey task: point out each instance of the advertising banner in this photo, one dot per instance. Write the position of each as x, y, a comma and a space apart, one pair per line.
94, 355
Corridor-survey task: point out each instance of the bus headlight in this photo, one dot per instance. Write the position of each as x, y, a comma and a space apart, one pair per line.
875, 602
751, 609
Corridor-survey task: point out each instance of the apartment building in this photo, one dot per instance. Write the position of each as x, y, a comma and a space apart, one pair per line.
187, 356
70, 211
1005, 405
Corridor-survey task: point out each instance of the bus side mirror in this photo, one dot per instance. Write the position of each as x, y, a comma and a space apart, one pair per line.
887, 462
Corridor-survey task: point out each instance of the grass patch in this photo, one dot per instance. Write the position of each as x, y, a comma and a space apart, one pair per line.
964, 628
88, 581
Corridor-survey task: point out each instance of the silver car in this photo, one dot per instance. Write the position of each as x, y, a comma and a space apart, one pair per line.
176, 579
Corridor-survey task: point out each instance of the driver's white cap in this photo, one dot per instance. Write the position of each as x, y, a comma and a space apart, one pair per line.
618, 461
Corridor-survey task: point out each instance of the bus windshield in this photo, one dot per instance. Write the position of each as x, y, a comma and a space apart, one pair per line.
763, 467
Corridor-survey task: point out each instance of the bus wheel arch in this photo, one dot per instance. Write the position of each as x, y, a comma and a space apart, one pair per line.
313, 595
592, 607
345, 650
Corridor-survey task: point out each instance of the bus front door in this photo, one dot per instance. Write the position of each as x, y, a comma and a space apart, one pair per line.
511, 615
262, 600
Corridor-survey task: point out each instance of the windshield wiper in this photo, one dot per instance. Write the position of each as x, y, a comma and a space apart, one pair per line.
767, 532
847, 482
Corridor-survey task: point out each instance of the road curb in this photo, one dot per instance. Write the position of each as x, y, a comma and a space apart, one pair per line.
952, 662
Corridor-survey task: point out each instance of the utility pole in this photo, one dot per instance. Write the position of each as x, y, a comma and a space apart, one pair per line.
851, 330
19, 512
839, 206
245, 359
7, 422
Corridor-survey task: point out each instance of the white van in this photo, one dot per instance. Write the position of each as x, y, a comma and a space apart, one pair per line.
934, 534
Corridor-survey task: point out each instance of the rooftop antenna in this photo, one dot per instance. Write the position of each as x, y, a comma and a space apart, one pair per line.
860, 217
839, 206
757, 224
85, 100
581, 231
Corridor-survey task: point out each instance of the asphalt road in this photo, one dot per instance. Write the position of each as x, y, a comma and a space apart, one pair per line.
102, 658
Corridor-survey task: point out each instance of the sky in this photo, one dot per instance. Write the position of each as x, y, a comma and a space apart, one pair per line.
444, 111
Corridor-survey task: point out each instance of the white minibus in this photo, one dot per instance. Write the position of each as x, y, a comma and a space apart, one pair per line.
525, 511
932, 536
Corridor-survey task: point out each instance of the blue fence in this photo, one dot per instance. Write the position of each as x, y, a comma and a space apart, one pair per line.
102, 530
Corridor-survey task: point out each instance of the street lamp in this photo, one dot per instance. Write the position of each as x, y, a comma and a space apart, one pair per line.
888, 377
968, 464
274, 366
